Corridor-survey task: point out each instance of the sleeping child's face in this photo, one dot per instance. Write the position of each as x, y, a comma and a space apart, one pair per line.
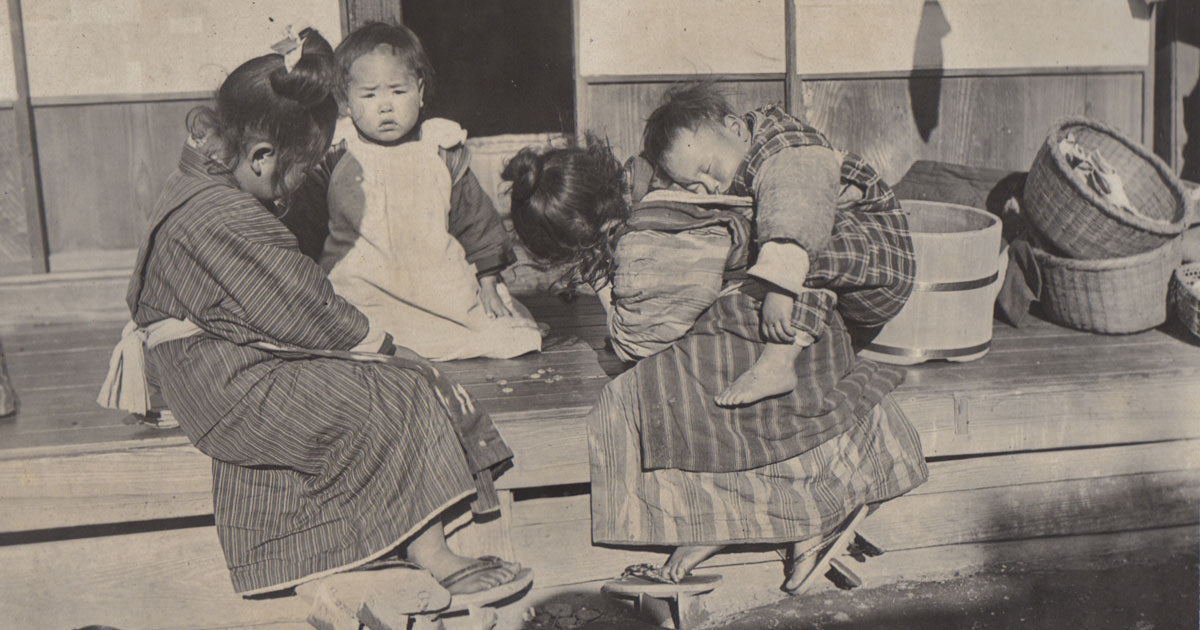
706, 160
384, 96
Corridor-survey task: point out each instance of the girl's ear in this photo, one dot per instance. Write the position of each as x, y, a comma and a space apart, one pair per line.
421, 91
260, 157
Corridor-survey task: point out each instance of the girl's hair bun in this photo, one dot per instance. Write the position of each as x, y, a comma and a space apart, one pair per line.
524, 171
314, 78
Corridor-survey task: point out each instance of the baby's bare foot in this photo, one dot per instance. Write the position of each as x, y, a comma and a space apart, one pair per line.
764, 379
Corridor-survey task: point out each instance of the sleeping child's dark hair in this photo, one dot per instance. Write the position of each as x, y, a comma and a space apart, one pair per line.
567, 206
262, 100
404, 44
683, 107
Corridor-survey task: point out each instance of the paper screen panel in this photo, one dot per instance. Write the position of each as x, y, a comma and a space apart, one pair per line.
636, 37
93, 47
869, 36
8, 79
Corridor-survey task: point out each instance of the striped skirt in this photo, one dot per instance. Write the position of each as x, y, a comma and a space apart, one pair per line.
792, 500
325, 464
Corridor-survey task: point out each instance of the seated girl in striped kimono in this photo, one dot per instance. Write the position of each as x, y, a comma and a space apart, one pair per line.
332, 448
669, 466
413, 241
827, 230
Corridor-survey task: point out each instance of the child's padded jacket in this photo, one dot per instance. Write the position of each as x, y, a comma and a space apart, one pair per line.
867, 260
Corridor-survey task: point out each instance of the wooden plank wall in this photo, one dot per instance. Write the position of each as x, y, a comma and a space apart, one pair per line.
98, 201
103, 165
994, 121
355, 13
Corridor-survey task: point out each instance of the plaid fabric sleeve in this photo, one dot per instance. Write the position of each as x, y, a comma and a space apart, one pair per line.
811, 311
870, 265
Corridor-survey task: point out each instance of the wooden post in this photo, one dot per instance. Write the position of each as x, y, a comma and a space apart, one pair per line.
581, 95
355, 13
31, 180
1165, 88
1148, 80
791, 101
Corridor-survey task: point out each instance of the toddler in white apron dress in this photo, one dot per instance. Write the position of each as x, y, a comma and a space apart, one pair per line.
400, 265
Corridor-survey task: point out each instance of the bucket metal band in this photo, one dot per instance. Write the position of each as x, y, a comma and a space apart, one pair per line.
962, 285
948, 353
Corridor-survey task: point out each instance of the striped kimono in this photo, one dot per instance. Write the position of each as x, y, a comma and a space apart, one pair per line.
669, 467
319, 464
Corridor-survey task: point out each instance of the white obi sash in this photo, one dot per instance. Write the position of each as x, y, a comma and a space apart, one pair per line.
125, 385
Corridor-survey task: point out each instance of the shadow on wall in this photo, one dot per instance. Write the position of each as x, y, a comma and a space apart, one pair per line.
1188, 32
1179, 27
925, 85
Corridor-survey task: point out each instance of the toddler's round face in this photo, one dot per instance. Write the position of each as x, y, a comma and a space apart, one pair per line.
706, 160
384, 96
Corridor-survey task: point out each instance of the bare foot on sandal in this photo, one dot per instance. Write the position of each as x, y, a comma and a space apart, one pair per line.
459, 574
462, 575
685, 558
773, 374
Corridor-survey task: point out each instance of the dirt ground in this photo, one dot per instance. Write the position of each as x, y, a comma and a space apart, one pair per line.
1135, 592
1141, 594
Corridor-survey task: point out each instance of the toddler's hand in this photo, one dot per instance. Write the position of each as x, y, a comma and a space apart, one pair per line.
489, 296
776, 325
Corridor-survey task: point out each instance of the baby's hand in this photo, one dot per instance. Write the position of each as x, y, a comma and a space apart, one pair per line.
776, 325
493, 305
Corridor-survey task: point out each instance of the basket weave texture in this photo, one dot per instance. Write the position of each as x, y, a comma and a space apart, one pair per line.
1080, 223
1116, 295
1185, 296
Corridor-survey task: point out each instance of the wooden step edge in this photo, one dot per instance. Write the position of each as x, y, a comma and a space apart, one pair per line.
63, 277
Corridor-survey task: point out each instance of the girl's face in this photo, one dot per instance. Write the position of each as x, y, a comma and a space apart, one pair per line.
384, 96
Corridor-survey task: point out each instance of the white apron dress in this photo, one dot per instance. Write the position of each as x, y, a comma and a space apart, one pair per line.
405, 271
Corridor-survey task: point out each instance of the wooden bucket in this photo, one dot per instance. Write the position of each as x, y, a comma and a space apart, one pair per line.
959, 274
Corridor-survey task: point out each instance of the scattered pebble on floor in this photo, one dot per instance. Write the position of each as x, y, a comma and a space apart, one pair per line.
558, 609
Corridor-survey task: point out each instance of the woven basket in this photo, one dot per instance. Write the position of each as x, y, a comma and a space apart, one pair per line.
1083, 225
1116, 295
1185, 296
